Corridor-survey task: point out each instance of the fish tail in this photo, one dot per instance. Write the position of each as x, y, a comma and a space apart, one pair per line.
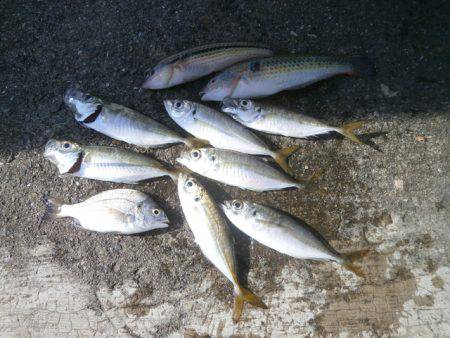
311, 181
281, 157
243, 295
350, 258
193, 142
347, 131
361, 66
53, 208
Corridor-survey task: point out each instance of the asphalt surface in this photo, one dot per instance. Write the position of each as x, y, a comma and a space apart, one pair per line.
105, 47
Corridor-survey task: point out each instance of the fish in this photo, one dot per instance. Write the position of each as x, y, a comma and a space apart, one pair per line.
237, 169
268, 76
121, 211
104, 163
223, 132
212, 235
284, 233
197, 62
280, 121
121, 123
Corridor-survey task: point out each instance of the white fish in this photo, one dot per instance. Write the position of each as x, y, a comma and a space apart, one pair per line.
122, 211
211, 233
104, 163
279, 121
222, 131
286, 234
237, 169
119, 122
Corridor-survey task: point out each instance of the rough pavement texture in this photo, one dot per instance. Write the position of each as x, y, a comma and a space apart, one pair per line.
56, 280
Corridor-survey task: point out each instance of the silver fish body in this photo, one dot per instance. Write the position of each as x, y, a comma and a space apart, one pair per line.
264, 77
280, 121
222, 131
236, 169
279, 231
216, 128
103, 163
123, 211
119, 122
197, 62
212, 235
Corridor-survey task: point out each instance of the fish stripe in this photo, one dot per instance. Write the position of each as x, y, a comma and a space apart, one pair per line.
77, 165
206, 49
91, 118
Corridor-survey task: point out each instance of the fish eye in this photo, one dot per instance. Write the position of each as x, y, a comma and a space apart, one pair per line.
244, 103
189, 183
152, 72
88, 96
66, 145
213, 80
156, 212
195, 154
177, 104
197, 198
237, 205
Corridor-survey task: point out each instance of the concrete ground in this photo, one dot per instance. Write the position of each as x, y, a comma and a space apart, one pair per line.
57, 280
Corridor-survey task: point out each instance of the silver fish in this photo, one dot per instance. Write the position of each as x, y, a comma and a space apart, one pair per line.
221, 131
236, 169
119, 122
279, 121
122, 211
263, 77
283, 233
197, 62
104, 163
212, 235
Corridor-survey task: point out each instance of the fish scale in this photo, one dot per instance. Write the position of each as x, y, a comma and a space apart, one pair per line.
267, 76
123, 211
212, 235
237, 169
194, 63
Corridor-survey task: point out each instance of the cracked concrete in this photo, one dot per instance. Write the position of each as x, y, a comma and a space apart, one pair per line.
59, 281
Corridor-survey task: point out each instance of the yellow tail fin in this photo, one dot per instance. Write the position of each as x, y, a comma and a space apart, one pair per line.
281, 157
193, 142
243, 295
350, 258
347, 131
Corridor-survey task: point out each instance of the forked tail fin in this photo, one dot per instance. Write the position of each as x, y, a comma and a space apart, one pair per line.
350, 259
243, 295
347, 131
281, 157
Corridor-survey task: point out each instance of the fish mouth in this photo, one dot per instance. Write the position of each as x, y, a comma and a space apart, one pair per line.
226, 205
71, 95
228, 105
204, 96
148, 84
168, 105
48, 147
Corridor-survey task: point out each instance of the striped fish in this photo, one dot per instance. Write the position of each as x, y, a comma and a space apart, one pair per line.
263, 77
197, 62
